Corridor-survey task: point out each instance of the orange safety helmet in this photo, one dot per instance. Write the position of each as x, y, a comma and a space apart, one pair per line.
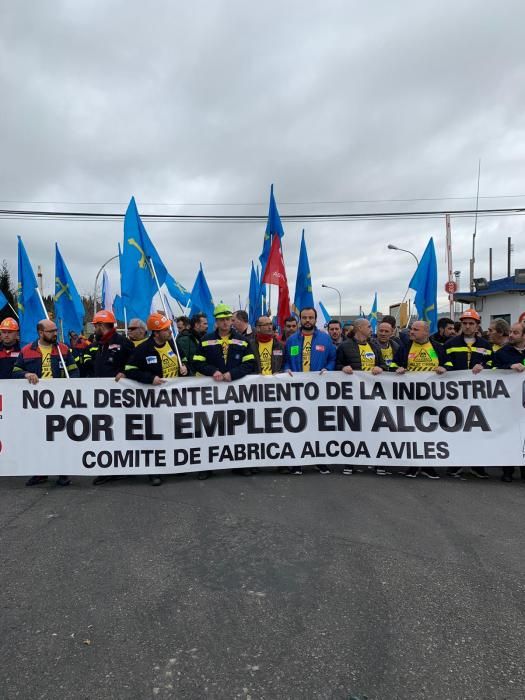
470, 313
158, 322
104, 316
9, 324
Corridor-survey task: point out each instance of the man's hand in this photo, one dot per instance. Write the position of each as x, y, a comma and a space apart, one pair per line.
31, 377
323, 371
227, 377
440, 370
400, 370
477, 369
518, 367
377, 370
183, 371
348, 369
120, 376
218, 376
158, 380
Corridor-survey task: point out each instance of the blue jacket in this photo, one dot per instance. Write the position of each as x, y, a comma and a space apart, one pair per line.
322, 355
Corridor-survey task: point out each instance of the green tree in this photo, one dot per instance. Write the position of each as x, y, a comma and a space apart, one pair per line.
7, 287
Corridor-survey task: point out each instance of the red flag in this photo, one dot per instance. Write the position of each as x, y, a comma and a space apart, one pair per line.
276, 274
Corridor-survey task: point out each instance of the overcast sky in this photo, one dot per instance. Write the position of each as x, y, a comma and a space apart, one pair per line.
190, 105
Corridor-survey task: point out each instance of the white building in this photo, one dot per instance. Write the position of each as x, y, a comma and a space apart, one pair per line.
502, 298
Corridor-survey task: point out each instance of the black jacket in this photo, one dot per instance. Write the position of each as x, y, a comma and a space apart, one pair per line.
8, 357
508, 355
460, 356
348, 354
107, 359
210, 359
145, 363
277, 355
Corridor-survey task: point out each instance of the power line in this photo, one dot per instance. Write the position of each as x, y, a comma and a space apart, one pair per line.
31, 214
265, 204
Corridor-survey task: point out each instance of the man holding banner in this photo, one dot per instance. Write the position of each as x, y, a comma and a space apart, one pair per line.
225, 356
45, 358
309, 350
155, 360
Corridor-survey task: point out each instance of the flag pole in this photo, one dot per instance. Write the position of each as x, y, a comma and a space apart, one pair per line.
12, 309
125, 321
166, 311
58, 345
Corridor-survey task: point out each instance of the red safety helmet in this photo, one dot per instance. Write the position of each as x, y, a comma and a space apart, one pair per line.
104, 316
470, 313
9, 324
158, 322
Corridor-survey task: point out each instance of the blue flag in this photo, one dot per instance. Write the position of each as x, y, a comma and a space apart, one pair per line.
201, 299
3, 300
118, 308
424, 283
138, 286
303, 284
372, 316
31, 310
254, 297
69, 309
177, 291
324, 311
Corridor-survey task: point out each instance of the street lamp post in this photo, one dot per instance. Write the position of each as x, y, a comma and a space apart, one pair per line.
96, 282
391, 246
340, 301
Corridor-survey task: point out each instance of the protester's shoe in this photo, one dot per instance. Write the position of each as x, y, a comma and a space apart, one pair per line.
155, 480
201, 476
479, 472
323, 470
411, 473
254, 470
34, 480
348, 471
283, 470
457, 475
507, 479
297, 471
102, 479
381, 472
243, 472
63, 481
430, 473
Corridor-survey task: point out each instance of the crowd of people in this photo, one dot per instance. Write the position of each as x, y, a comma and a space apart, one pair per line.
151, 354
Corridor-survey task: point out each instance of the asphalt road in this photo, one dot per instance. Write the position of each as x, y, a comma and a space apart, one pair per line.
263, 587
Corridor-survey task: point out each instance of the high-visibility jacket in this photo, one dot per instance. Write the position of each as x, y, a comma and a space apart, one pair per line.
109, 357
239, 361
30, 360
8, 356
460, 355
322, 354
507, 356
145, 362
402, 356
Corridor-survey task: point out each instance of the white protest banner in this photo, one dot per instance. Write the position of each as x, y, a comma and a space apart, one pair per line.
99, 426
